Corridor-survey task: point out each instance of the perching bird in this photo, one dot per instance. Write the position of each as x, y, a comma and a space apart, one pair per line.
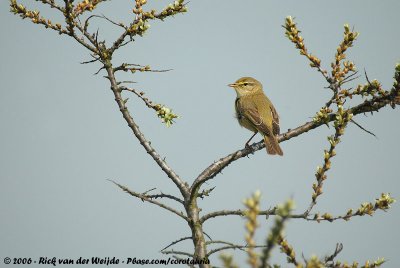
255, 112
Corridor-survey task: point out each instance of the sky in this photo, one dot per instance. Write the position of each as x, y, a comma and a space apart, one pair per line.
62, 136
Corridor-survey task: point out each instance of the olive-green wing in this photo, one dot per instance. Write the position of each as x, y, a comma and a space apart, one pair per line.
275, 120
254, 115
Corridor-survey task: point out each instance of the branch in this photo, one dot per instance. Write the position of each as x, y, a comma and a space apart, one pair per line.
362, 128
220, 242
329, 259
35, 17
162, 195
233, 246
119, 24
288, 250
176, 242
205, 192
182, 186
189, 237
342, 118
166, 114
349, 78
72, 24
140, 94
177, 252
367, 208
238, 212
147, 199
129, 67
294, 36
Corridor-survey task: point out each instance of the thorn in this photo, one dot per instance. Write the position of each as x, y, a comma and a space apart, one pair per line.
366, 77
358, 125
144, 193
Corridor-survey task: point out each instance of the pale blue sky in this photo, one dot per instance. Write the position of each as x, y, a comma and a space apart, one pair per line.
62, 135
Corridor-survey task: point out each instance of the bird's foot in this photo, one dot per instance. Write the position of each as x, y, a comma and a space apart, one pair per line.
248, 147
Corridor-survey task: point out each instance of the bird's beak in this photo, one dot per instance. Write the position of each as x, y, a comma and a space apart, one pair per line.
232, 85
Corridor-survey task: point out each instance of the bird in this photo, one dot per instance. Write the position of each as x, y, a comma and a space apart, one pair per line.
256, 112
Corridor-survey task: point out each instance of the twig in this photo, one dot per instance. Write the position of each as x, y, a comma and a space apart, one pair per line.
162, 195
288, 250
237, 212
219, 242
187, 238
86, 24
136, 67
140, 94
232, 247
127, 82
176, 242
99, 70
205, 192
113, 22
90, 61
368, 209
177, 252
145, 198
73, 24
366, 77
349, 78
209, 237
358, 125
148, 191
338, 249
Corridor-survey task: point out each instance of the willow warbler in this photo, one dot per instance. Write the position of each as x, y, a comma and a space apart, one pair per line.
255, 112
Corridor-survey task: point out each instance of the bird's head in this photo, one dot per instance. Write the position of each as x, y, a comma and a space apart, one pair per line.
246, 86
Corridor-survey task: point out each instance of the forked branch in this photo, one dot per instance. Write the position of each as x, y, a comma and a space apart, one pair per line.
146, 198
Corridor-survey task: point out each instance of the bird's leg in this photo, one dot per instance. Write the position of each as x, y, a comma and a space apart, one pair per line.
247, 143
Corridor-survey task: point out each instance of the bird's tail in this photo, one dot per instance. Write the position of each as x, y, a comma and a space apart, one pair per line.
272, 145
397, 99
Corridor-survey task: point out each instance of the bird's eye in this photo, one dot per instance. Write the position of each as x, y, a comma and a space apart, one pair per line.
245, 84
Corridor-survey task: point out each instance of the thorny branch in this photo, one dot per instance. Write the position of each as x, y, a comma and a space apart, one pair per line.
162, 195
237, 212
175, 252
367, 208
329, 259
129, 67
146, 198
233, 246
176, 242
